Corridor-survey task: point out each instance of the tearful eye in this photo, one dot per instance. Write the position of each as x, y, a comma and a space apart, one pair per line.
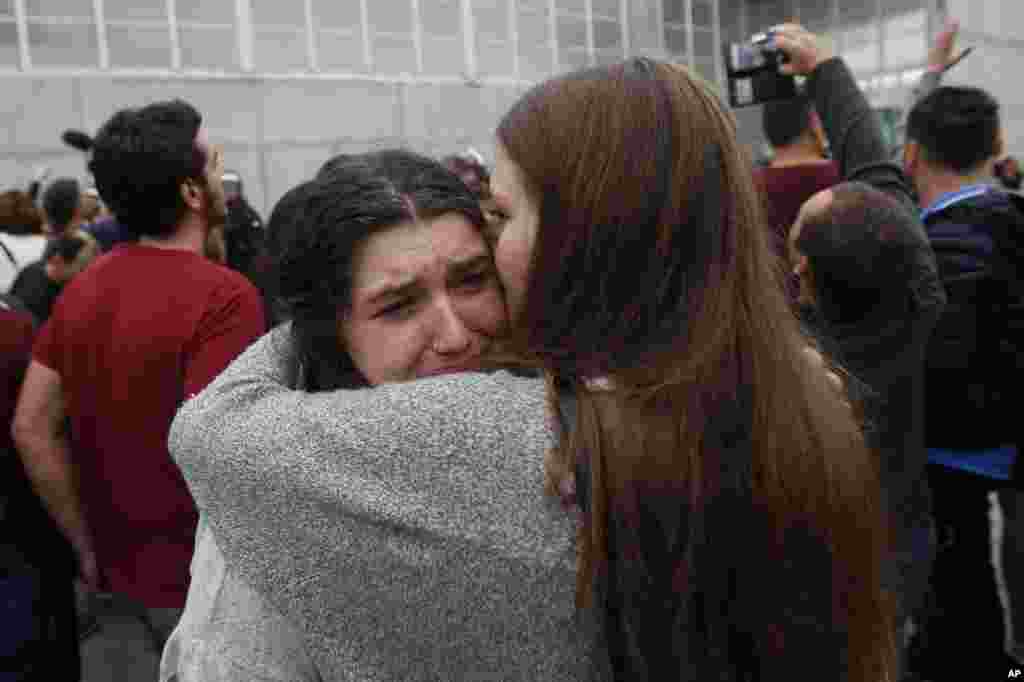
476, 280
395, 309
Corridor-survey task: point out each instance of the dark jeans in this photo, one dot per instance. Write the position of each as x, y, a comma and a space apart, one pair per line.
38, 627
961, 623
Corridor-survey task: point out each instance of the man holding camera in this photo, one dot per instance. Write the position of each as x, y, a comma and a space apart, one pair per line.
870, 287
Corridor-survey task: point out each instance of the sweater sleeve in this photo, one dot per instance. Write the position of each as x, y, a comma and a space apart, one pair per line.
391, 505
250, 433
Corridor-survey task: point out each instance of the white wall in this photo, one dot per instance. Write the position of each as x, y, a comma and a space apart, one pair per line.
282, 111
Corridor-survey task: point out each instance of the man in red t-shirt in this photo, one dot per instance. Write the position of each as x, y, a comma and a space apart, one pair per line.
132, 337
799, 167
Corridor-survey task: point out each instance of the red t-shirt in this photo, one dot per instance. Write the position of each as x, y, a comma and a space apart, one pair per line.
131, 337
786, 189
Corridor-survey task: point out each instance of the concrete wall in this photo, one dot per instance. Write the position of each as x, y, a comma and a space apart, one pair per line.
276, 131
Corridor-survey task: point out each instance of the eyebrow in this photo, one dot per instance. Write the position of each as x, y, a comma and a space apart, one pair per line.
389, 291
468, 265
455, 271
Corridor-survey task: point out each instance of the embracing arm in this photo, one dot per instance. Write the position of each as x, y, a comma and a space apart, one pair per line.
313, 497
250, 434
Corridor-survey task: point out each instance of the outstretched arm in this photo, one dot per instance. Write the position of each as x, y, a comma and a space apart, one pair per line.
857, 143
381, 503
851, 125
942, 56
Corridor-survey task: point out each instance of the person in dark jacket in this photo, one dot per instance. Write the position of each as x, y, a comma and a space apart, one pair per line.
39, 284
974, 364
870, 282
245, 243
243, 232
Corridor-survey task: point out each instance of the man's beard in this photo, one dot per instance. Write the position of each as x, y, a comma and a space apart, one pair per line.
217, 209
215, 247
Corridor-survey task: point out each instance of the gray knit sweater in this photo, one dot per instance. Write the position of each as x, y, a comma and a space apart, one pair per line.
404, 529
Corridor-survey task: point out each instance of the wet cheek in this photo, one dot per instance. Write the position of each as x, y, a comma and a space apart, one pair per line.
484, 313
390, 353
506, 258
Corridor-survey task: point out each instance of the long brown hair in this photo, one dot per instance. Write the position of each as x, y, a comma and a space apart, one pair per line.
651, 269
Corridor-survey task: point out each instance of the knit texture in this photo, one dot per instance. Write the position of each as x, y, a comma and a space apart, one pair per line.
404, 529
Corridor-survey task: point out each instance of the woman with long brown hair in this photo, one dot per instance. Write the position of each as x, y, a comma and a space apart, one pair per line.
730, 526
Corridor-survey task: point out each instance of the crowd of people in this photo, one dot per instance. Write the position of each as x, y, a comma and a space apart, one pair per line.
620, 407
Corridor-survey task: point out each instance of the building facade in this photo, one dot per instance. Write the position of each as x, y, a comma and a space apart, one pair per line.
285, 84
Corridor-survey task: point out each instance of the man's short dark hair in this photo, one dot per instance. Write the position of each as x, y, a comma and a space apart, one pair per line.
140, 159
66, 246
784, 121
957, 127
861, 251
60, 202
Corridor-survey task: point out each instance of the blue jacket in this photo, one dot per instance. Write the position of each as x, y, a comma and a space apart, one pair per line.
976, 354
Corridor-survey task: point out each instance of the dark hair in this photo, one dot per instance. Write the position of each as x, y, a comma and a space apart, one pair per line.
466, 164
651, 268
18, 214
243, 235
338, 161
957, 127
67, 246
77, 139
784, 121
140, 159
60, 202
316, 228
861, 251
1008, 173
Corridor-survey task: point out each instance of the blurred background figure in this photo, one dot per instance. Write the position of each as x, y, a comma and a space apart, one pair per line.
244, 241
39, 628
799, 168
62, 207
100, 222
243, 231
93, 208
21, 235
974, 364
1007, 171
68, 250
